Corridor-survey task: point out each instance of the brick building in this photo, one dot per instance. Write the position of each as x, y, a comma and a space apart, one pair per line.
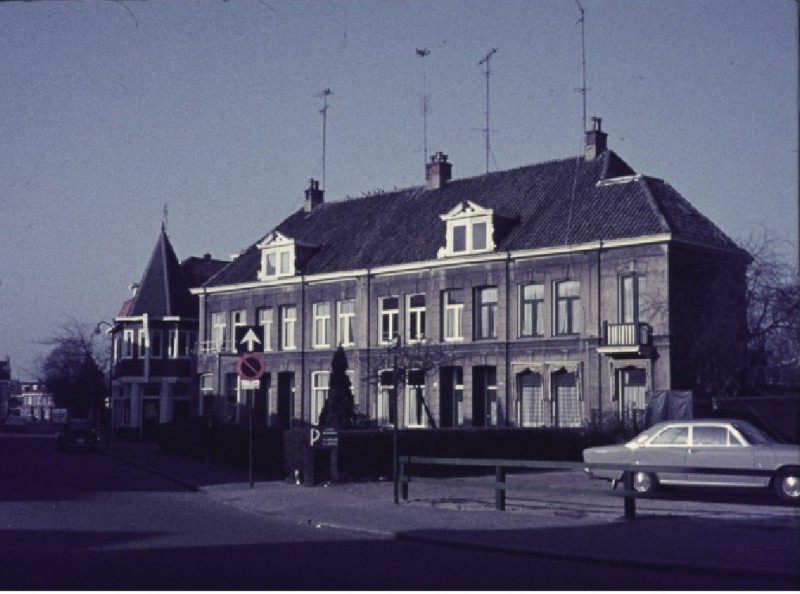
560, 292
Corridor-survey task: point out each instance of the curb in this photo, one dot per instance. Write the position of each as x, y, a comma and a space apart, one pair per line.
189, 486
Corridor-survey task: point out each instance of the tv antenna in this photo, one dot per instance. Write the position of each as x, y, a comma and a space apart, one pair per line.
423, 53
582, 90
165, 217
324, 111
486, 59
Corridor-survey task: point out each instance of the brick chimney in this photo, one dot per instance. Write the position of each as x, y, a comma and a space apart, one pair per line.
438, 172
314, 196
595, 140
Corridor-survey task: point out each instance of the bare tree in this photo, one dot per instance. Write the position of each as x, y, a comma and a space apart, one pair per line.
74, 369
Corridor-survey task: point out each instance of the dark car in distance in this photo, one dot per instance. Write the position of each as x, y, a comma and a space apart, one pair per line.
78, 439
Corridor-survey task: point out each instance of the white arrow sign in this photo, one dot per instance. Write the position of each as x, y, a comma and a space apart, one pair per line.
250, 339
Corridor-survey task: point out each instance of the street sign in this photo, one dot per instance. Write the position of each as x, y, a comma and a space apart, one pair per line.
250, 384
250, 367
249, 339
324, 438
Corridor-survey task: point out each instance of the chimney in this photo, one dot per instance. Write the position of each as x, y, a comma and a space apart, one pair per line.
438, 171
595, 140
314, 196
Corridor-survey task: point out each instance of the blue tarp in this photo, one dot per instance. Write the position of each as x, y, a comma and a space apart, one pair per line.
667, 405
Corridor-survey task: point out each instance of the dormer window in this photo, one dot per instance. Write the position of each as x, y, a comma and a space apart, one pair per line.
277, 257
470, 230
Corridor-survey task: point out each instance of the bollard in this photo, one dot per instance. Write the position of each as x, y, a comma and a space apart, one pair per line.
500, 494
403, 482
630, 500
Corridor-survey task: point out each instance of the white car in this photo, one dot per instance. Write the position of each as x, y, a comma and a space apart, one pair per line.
712, 443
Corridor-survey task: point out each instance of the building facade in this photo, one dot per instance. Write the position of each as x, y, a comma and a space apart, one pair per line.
154, 340
551, 295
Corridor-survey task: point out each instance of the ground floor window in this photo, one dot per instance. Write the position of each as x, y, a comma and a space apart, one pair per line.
567, 406
630, 390
319, 394
451, 396
384, 402
415, 399
532, 408
484, 396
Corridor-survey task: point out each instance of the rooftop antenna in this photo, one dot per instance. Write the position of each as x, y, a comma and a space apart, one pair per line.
422, 53
582, 90
324, 111
165, 217
485, 61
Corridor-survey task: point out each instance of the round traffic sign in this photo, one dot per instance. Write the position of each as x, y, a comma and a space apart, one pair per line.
250, 366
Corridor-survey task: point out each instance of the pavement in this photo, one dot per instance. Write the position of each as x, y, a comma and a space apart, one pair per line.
569, 516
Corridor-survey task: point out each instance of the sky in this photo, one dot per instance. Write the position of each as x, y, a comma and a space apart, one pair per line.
119, 116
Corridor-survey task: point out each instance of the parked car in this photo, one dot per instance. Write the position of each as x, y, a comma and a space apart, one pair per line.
712, 443
78, 438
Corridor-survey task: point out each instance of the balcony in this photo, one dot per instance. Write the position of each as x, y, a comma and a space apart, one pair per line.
626, 340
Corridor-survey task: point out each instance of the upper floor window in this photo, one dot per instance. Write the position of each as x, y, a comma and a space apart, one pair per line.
531, 310
218, 325
632, 288
127, 344
180, 344
277, 256
568, 307
415, 313
470, 229
345, 322
288, 325
390, 318
265, 321
486, 312
453, 314
322, 324
238, 320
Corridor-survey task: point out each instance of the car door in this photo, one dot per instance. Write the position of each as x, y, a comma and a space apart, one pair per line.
715, 446
668, 447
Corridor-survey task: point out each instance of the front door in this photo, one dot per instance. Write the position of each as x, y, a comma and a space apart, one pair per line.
285, 399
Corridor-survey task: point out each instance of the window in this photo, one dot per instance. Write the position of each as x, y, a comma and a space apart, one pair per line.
415, 402
712, 436
231, 396
277, 257
415, 309
451, 396
319, 393
672, 436
265, 321
631, 291
568, 307
142, 343
322, 323
127, 344
345, 322
390, 315
484, 396
218, 325
288, 315
207, 384
486, 313
178, 345
238, 319
453, 304
567, 409
531, 310
384, 405
532, 409
469, 229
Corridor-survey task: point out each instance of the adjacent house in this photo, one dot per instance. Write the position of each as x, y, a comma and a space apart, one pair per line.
154, 340
561, 292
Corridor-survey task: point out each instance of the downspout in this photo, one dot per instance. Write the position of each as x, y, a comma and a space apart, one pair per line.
599, 335
509, 392
302, 317
367, 404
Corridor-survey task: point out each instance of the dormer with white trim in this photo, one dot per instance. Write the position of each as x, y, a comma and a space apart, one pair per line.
470, 230
278, 255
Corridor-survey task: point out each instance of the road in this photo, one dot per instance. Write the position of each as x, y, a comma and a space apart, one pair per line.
89, 521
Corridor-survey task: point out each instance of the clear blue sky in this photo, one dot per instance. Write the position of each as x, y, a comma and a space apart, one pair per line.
110, 110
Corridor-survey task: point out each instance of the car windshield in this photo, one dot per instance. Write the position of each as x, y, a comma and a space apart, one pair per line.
753, 435
643, 436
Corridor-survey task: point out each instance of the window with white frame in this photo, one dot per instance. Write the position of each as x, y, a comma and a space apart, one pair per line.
128, 344
321, 313
288, 314
265, 321
346, 322
176, 344
485, 313
389, 311
632, 288
319, 393
453, 315
238, 320
277, 257
568, 307
384, 405
531, 310
207, 384
415, 316
415, 414
469, 230
218, 326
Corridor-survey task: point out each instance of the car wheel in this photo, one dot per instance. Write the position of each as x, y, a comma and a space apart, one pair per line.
644, 482
787, 484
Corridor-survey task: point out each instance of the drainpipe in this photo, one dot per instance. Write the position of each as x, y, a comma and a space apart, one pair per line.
509, 392
303, 350
599, 335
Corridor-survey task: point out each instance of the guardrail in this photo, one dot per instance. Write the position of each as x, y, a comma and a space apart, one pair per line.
501, 466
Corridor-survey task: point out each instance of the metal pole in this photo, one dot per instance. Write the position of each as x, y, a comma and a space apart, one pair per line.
394, 430
250, 434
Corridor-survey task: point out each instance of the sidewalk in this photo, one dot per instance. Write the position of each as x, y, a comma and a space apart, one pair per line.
683, 536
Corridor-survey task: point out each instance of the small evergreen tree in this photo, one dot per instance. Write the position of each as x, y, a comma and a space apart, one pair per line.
339, 410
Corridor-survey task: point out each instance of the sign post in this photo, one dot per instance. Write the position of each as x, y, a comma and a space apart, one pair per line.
250, 367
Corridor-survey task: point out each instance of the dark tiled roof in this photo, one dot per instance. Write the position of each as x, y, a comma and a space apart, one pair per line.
164, 290
547, 205
199, 270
